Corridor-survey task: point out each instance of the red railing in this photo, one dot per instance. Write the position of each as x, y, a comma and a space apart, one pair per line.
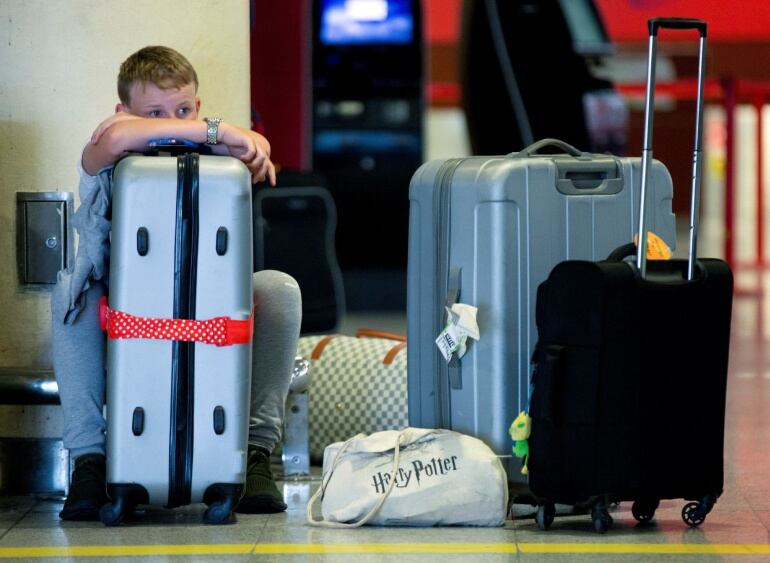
729, 92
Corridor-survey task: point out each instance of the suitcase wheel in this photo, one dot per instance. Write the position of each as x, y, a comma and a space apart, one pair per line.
602, 524
112, 514
644, 510
600, 516
125, 498
219, 512
602, 521
544, 515
694, 514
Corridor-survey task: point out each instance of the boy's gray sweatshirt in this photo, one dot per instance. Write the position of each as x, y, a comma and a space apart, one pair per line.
92, 222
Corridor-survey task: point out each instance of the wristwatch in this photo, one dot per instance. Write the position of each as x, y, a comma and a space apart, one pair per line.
212, 128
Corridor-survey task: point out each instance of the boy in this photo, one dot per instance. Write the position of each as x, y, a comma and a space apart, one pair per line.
157, 88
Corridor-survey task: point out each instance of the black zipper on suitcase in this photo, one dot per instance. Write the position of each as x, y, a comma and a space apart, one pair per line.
183, 353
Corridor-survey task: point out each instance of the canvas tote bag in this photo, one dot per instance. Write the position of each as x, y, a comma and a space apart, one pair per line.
411, 477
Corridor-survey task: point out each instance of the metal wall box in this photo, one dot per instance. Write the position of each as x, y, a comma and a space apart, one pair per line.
44, 235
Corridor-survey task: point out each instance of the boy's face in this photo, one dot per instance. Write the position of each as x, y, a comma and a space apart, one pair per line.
150, 101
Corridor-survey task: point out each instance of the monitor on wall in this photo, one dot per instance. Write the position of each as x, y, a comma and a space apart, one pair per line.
366, 22
589, 36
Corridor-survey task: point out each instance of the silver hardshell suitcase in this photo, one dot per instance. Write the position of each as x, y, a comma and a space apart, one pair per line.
486, 231
178, 402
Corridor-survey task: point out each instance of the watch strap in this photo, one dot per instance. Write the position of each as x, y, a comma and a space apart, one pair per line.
212, 129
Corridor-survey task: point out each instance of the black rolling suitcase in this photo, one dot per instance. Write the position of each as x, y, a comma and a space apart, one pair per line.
628, 396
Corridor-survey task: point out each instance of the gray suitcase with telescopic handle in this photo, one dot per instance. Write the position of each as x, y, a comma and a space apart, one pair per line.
486, 231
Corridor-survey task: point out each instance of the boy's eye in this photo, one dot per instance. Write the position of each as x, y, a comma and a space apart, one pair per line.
183, 111
154, 113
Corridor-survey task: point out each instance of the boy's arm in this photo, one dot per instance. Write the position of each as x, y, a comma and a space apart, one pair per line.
122, 133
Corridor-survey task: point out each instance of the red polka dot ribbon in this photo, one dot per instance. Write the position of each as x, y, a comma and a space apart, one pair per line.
220, 331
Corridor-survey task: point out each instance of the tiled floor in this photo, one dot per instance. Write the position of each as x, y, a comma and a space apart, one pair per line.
737, 530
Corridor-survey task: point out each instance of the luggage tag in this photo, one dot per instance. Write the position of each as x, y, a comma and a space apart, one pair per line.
461, 325
657, 249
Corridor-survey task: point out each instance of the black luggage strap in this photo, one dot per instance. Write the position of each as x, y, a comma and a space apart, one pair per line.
452, 295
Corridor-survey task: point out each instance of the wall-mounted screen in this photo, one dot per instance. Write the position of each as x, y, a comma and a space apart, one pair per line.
360, 22
585, 25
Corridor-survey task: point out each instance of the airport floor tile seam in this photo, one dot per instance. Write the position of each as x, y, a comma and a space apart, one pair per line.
24, 512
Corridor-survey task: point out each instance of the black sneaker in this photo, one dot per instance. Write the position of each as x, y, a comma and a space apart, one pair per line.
262, 495
87, 490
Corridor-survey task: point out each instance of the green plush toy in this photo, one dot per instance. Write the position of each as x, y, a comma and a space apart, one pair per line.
519, 431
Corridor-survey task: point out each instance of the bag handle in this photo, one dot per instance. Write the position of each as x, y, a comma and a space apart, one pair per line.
621, 252
547, 375
374, 333
535, 147
375, 509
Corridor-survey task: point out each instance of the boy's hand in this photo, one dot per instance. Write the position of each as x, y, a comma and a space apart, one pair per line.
109, 122
252, 149
260, 166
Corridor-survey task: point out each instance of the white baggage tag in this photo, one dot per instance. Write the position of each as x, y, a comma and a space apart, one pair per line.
461, 325
466, 320
448, 342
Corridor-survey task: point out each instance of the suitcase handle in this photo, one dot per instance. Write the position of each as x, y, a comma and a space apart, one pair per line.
594, 176
174, 147
621, 252
547, 376
590, 175
697, 168
676, 23
535, 147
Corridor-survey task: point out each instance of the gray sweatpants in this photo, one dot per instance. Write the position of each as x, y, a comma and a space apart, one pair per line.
79, 354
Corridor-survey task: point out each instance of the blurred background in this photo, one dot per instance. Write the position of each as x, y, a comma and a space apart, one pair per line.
362, 99
354, 96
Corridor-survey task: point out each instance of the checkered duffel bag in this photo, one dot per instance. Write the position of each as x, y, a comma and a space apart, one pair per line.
358, 384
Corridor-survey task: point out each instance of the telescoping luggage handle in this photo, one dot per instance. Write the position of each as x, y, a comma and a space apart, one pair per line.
654, 25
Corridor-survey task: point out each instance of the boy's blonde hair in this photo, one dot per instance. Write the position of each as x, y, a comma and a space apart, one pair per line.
161, 66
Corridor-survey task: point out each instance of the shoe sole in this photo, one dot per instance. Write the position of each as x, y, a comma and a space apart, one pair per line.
260, 505
80, 514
